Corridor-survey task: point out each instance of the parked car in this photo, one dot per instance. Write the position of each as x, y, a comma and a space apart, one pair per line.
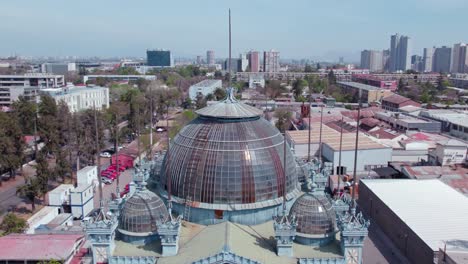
105, 155
114, 167
106, 180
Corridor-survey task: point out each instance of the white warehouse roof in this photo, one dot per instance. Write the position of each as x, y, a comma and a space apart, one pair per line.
432, 209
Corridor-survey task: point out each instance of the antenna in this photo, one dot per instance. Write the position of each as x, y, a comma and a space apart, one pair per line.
310, 127
355, 177
229, 61
98, 150
320, 138
339, 157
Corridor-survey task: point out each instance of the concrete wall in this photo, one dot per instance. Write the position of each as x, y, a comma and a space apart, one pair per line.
409, 244
364, 157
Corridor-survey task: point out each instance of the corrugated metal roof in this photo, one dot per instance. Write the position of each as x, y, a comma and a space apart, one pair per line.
230, 108
430, 208
37, 247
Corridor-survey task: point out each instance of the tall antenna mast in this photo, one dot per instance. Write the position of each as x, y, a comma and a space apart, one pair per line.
98, 150
229, 61
168, 164
320, 138
310, 127
339, 157
355, 177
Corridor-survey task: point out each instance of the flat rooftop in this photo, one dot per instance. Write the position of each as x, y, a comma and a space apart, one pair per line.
256, 243
331, 137
457, 117
360, 86
207, 83
431, 209
455, 177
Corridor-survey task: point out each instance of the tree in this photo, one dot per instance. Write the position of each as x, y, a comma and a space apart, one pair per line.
219, 94
12, 144
32, 189
25, 112
283, 117
401, 85
308, 68
47, 123
331, 77
200, 102
13, 224
62, 166
298, 87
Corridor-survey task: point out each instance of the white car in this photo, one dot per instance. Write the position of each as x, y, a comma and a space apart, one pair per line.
105, 155
106, 180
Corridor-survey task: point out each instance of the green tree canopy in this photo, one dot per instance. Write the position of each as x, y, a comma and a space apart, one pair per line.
13, 224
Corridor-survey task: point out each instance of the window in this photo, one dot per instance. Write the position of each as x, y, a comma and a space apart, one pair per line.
219, 214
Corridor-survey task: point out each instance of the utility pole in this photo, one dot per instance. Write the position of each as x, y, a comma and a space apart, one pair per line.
320, 138
229, 61
151, 122
310, 128
339, 157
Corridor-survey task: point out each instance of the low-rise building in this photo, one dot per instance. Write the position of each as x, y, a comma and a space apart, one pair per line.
60, 195
87, 175
369, 93
79, 98
454, 176
39, 80
459, 80
419, 217
405, 122
256, 80
395, 102
204, 88
376, 81
82, 200
449, 152
453, 121
10, 94
58, 68
118, 78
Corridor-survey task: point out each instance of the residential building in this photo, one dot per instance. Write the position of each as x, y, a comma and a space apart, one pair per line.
427, 59
243, 62
459, 62
39, 80
236, 65
372, 60
441, 60
256, 81
459, 80
210, 57
81, 98
159, 58
10, 94
375, 80
418, 216
400, 48
386, 60
82, 200
204, 88
417, 63
118, 78
395, 102
368, 93
199, 60
254, 61
58, 68
271, 61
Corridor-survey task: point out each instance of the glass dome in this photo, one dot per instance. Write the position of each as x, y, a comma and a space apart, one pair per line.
314, 213
234, 157
142, 211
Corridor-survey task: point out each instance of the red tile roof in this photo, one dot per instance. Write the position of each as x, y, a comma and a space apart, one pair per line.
396, 99
38, 247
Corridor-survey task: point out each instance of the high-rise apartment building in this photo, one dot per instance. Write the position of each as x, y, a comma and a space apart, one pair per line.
271, 61
417, 63
210, 57
428, 56
459, 58
372, 60
400, 47
441, 60
159, 58
254, 61
244, 62
386, 59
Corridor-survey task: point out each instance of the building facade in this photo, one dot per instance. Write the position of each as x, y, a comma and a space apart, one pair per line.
395, 102
428, 55
81, 98
368, 93
204, 88
254, 61
400, 47
39, 80
210, 57
271, 61
372, 60
159, 58
441, 60
459, 62
58, 68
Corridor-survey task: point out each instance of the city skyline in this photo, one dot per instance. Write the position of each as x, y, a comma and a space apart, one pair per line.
128, 29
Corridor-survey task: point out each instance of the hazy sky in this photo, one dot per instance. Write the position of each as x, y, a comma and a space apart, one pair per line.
313, 29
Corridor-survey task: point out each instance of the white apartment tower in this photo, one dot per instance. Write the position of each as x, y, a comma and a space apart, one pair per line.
271, 61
